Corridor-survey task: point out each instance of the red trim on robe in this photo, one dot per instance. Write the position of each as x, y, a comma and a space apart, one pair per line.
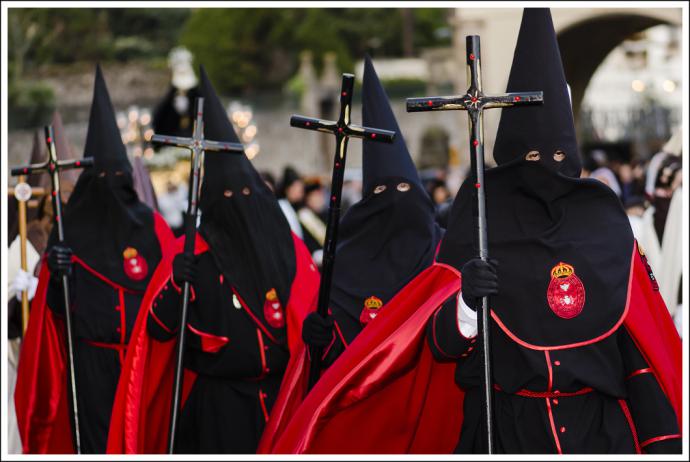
656, 439
646, 370
355, 407
209, 343
41, 396
631, 424
141, 411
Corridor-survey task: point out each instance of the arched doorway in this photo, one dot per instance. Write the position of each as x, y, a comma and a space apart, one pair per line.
585, 44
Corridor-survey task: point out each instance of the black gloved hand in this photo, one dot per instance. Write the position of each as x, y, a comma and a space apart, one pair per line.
60, 261
479, 279
184, 268
317, 331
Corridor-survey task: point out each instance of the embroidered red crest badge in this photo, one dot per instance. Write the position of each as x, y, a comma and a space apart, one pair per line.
566, 294
135, 266
371, 309
273, 310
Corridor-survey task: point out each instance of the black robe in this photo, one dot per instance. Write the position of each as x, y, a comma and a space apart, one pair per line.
239, 366
600, 398
103, 315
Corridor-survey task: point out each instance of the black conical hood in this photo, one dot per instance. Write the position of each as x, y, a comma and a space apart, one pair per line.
222, 168
103, 140
545, 128
382, 160
104, 221
241, 220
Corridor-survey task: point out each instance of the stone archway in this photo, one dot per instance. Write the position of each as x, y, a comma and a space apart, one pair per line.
586, 36
585, 44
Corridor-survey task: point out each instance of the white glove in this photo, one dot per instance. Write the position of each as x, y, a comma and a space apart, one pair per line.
467, 318
24, 281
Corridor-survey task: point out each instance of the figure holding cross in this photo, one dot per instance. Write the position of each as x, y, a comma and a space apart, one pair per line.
342, 129
251, 283
385, 240
475, 102
101, 254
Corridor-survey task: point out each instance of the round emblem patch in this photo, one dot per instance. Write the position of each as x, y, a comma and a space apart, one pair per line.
566, 294
135, 266
273, 310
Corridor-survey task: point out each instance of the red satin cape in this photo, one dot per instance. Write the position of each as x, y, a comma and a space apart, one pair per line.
386, 394
41, 392
141, 412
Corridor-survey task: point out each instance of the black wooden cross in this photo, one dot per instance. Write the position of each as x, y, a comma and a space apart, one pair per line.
53, 167
198, 146
474, 102
343, 130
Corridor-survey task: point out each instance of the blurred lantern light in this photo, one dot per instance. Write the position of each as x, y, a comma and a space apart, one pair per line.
133, 115
138, 151
148, 134
246, 138
252, 150
250, 131
243, 122
637, 85
669, 86
121, 120
148, 153
145, 118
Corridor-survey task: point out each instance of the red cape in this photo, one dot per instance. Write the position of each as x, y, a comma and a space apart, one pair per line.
141, 412
386, 394
41, 393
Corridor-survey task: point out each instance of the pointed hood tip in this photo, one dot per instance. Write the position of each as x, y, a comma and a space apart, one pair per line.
549, 127
103, 137
381, 161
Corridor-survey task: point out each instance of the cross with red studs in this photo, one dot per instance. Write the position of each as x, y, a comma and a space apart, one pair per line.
474, 102
198, 145
343, 130
53, 167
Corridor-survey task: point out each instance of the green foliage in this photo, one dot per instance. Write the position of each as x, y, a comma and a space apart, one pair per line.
243, 49
258, 49
31, 104
68, 35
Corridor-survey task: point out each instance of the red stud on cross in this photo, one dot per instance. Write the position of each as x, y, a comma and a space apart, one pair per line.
344, 93
471, 56
340, 129
475, 143
429, 103
373, 135
517, 98
477, 185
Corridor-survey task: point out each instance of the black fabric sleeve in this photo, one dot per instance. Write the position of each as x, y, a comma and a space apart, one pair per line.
653, 416
443, 335
164, 315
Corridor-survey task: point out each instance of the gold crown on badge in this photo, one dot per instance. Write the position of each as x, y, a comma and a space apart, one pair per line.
562, 270
130, 252
373, 303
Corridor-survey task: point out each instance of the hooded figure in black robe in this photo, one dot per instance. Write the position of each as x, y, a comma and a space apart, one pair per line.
112, 245
384, 240
568, 372
247, 277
